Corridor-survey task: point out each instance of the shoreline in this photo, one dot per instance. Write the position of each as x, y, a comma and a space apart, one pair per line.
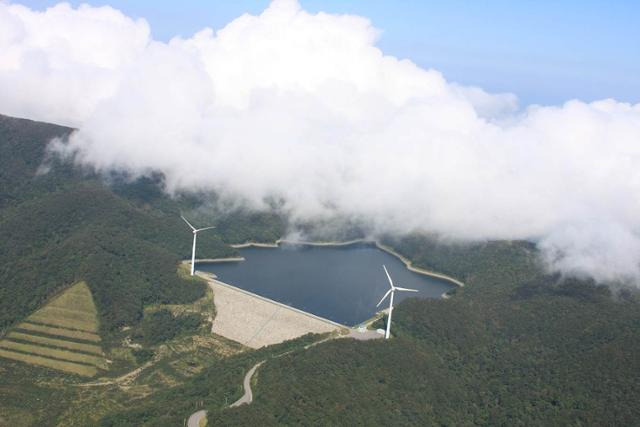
217, 260
407, 263
255, 245
418, 270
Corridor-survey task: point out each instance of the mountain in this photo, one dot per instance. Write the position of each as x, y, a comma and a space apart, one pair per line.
67, 225
515, 346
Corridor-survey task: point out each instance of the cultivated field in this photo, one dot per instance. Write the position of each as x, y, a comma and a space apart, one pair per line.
60, 332
73, 309
44, 351
65, 318
61, 335
59, 365
54, 342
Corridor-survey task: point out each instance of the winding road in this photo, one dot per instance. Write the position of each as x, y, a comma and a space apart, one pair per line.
247, 397
195, 418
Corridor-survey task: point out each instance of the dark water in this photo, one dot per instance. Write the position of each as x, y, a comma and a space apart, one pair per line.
342, 284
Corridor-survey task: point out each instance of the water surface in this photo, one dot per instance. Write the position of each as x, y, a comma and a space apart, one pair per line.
342, 284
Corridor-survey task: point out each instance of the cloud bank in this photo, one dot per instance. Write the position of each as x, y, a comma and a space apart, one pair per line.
305, 108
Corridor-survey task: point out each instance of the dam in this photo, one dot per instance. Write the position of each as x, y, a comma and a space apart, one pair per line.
332, 285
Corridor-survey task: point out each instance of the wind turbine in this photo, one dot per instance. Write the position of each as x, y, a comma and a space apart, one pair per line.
195, 235
391, 291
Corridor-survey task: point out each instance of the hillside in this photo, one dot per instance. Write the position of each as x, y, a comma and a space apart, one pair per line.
123, 239
515, 346
61, 335
67, 225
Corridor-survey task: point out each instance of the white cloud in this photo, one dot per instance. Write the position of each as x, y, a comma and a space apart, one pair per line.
305, 107
59, 64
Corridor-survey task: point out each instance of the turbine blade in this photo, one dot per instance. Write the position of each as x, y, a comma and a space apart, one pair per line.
388, 276
407, 289
384, 297
188, 223
205, 228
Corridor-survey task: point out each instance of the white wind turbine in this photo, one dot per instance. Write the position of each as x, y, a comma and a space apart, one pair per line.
195, 235
391, 291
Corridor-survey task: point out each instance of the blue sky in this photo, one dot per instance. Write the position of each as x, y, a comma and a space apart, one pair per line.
544, 51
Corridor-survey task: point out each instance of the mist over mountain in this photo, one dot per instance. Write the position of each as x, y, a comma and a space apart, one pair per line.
304, 108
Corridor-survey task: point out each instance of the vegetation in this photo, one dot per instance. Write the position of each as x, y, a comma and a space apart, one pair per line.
48, 362
59, 332
68, 225
53, 353
61, 225
123, 237
515, 346
217, 386
54, 342
143, 355
136, 372
72, 311
162, 325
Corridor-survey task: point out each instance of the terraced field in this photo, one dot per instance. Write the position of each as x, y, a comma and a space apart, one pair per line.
60, 332
62, 335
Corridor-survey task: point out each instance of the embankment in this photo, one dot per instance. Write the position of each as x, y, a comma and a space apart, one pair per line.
379, 245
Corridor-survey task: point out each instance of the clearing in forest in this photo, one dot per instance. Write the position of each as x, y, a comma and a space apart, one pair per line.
62, 335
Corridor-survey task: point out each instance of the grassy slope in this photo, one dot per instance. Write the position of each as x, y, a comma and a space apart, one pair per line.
75, 309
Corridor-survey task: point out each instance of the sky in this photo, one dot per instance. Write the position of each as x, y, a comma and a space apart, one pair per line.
326, 115
545, 52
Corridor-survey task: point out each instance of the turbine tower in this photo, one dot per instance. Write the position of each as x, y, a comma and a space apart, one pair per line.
391, 291
195, 235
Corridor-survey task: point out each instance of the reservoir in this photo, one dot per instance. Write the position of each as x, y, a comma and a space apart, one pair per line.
339, 283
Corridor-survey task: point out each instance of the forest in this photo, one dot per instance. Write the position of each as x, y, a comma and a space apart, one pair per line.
123, 237
515, 346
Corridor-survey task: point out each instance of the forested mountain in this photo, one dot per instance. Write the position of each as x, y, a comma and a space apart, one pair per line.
60, 224
515, 346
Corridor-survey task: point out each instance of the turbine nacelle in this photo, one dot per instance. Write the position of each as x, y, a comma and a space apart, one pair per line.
193, 229
393, 287
202, 229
